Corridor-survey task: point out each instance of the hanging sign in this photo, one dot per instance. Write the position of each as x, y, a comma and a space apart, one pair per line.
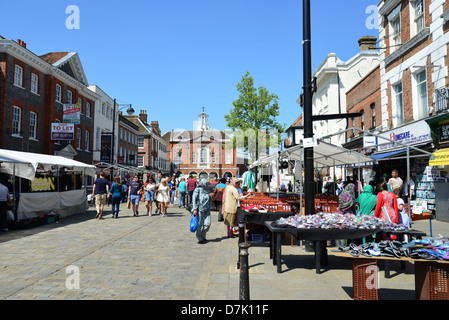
71, 113
62, 131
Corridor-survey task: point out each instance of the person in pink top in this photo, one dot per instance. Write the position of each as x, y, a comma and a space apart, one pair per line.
191, 186
387, 200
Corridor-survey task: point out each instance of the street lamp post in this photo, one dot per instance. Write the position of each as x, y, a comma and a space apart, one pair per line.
130, 112
308, 126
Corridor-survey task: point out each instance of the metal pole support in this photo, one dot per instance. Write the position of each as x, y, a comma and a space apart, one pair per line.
244, 271
242, 239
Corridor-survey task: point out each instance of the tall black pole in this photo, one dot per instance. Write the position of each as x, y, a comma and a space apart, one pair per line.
113, 140
309, 192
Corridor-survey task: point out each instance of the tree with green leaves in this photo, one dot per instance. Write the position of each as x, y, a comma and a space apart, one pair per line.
253, 119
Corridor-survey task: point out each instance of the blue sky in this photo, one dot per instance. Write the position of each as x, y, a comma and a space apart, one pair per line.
173, 57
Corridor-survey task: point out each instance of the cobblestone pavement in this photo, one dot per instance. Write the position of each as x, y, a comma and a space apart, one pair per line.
154, 257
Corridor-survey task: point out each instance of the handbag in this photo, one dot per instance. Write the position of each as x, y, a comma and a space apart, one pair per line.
128, 204
194, 223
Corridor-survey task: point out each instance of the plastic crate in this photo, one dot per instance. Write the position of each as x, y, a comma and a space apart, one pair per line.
258, 237
363, 288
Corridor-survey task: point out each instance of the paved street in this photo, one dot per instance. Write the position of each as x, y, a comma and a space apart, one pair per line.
159, 258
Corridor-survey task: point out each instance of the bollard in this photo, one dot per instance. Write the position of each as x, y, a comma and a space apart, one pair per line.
241, 239
244, 271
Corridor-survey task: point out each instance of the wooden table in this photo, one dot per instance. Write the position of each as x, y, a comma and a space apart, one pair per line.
431, 277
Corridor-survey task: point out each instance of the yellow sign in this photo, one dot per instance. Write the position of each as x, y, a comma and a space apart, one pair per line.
441, 158
43, 184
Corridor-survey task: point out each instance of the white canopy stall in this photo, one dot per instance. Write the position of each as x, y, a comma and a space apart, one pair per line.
33, 204
324, 155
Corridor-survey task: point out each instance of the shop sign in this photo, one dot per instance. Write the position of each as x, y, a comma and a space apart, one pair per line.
418, 132
106, 148
71, 113
62, 131
369, 141
444, 133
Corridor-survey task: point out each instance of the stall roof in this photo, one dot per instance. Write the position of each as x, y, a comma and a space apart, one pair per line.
324, 155
441, 158
26, 163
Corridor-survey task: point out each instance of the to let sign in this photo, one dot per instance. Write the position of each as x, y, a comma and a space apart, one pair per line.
62, 131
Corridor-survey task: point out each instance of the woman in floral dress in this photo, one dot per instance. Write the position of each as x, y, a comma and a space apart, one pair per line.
387, 200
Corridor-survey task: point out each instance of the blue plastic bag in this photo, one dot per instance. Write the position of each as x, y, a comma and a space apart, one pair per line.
194, 223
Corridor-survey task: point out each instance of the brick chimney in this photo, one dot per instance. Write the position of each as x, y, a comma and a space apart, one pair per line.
143, 116
155, 126
22, 43
367, 43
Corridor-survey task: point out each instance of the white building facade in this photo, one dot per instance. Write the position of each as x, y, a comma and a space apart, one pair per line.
103, 121
334, 78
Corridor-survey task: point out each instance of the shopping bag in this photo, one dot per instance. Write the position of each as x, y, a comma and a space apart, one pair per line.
128, 204
194, 223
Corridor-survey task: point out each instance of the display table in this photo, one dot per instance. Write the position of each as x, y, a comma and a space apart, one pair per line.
318, 236
431, 277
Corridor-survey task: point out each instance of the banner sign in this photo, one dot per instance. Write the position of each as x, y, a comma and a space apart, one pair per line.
62, 131
106, 148
71, 113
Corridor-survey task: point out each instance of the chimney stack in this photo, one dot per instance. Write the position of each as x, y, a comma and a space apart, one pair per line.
143, 116
21, 43
155, 126
367, 43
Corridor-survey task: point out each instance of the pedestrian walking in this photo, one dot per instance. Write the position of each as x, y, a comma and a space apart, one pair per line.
231, 199
4, 199
182, 192
201, 206
163, 197
116, 195
191, 185
134, 189
173, 185
149, 187
100, 191
158, 182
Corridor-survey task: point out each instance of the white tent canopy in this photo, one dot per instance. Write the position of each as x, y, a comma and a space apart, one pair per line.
324, 155
328, 155
25, 164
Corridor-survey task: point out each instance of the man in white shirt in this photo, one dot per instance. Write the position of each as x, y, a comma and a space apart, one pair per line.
4, 199
395, 181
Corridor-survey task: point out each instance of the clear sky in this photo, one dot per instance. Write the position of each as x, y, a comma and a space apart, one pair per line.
172, 57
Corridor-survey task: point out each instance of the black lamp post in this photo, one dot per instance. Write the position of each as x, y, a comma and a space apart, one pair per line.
309, 193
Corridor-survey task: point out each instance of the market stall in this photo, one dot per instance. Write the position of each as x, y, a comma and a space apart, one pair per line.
43, 184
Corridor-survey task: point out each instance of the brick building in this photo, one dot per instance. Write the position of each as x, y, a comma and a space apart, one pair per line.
152, 148
202, 152
364, 97
33, 90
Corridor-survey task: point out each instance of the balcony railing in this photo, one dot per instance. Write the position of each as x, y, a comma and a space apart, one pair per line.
442, 100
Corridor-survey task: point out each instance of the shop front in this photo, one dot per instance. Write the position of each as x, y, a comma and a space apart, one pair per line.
439, 165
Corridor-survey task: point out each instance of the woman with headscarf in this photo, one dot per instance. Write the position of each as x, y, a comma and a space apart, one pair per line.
347, 199
231, 198
367, 201
201, 203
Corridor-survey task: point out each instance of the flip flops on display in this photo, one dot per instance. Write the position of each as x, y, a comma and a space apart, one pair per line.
428, 249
